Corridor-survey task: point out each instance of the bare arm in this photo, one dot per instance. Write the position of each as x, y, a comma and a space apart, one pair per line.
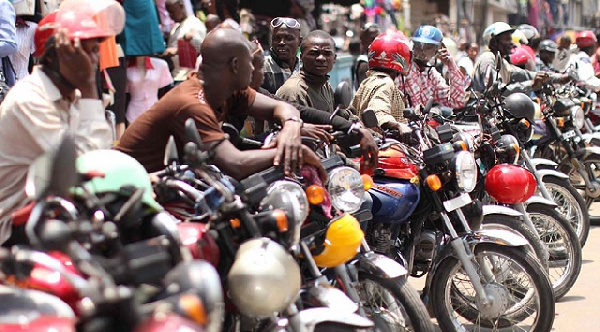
241, 164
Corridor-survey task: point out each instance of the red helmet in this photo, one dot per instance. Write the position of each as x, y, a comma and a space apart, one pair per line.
83, 19
510, 184
521, 57
390, 50
585, 38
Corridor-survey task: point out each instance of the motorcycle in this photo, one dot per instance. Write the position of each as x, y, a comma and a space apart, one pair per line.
257, 221
89, 287
470, 279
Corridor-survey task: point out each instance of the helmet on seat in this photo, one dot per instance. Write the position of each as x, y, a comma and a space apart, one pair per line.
390, 51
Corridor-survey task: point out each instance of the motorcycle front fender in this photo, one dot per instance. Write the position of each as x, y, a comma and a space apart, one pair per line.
588, 137
499, 209
542, 162
380, 266
550, 172
540, 200
309, 318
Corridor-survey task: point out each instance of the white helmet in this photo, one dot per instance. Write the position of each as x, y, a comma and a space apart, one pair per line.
495, 29
529, 31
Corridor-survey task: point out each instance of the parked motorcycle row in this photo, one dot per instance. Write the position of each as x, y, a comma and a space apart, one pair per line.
492, 218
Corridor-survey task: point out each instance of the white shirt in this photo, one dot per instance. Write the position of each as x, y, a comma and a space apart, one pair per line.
26, 47
585, 70
189, 24
143, 86
466, 63
33, 117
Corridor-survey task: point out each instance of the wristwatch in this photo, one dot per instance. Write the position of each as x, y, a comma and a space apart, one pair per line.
295, 119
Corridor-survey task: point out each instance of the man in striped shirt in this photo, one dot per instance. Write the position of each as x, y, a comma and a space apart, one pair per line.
423, 81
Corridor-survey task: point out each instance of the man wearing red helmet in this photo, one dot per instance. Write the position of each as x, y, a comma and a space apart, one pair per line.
60, 95
389, 57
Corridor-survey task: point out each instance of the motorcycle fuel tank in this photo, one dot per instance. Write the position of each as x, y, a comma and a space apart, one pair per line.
394, 202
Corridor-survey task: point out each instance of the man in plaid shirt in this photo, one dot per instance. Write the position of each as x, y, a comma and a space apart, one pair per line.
423, 81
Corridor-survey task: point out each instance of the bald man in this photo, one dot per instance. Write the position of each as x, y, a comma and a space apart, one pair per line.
219, 88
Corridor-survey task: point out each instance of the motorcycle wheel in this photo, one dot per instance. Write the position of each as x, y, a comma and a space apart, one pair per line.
523, 297
393, 304
570, 205
592, 167
516, 224
563, 246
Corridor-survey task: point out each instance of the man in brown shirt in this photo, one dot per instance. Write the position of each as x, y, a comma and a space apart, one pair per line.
220, 87
310, 87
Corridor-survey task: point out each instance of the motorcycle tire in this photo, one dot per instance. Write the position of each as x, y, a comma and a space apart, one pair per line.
591, 165
569, 199
533, 311
413, 309
518, 225
563, 246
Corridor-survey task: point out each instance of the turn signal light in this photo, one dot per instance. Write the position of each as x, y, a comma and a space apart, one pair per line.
315, 194
367, 181
560, 122
235, 223
281, 220
460, 145
434, 182
516, 148
192, 306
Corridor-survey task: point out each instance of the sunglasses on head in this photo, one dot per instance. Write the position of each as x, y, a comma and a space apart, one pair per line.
288, 21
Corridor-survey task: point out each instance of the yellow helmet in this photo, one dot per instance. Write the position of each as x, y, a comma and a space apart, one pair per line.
518, 37
342, 241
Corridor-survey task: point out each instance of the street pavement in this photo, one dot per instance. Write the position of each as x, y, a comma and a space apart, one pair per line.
579, 310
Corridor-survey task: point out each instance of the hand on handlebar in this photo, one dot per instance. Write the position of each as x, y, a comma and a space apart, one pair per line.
540, 78
368, 148
315, 131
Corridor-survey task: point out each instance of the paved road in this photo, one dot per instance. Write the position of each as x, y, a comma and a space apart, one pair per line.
579, 310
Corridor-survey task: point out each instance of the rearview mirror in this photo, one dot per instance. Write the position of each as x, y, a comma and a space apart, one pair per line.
369, 119
54, 172
191, 132
498, 62
342, 95
171, 154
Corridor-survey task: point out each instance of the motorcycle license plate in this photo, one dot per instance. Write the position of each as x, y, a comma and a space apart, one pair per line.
568, 135
457, 202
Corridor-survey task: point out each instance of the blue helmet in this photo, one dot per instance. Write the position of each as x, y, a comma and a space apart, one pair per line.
428, 34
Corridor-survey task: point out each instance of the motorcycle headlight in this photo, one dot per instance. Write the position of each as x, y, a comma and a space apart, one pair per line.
578, 116
346, 189
289, 197
465, 170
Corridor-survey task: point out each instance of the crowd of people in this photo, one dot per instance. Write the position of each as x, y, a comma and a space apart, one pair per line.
209, 71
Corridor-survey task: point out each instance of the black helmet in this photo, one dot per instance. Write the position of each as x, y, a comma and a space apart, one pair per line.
508, 149
548, 46
519, 106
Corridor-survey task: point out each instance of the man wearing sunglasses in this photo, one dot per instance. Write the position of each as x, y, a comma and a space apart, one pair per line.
283, 61
423, 81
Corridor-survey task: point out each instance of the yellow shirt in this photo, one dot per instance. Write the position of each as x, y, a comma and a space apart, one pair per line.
379, 93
